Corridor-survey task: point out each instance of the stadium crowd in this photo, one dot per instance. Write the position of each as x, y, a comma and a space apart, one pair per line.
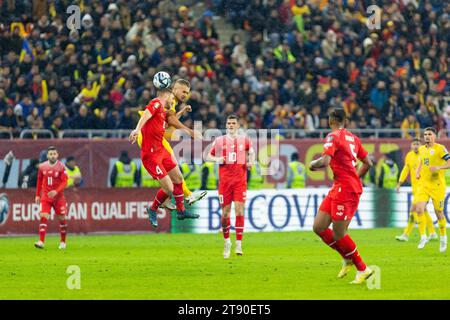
301, 58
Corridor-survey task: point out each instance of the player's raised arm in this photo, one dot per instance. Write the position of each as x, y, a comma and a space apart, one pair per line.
173, 121
144, 118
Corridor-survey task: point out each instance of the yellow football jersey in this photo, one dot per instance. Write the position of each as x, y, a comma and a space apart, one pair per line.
411, 163
436, 155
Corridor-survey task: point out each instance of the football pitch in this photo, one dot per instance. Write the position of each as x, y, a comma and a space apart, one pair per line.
292, 265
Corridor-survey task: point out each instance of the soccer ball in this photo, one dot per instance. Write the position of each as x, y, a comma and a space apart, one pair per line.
161, 80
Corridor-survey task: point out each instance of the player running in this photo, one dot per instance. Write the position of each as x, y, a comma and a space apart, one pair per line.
341, 151
411, 162
158, 162
235, 155
433, 160
51, 181
181, 90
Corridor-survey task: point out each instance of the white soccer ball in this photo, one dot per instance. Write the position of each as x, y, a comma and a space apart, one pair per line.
161, 80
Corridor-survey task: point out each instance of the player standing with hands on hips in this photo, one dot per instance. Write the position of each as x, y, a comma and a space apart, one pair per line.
51, 181
341, 151
234, 154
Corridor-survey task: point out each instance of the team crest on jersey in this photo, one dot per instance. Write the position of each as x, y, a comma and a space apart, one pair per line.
56, 174
241, 147
330, 138
432, 151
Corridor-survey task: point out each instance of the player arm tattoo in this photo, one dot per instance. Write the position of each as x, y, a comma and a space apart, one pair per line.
320, 163
367, 163
172, 120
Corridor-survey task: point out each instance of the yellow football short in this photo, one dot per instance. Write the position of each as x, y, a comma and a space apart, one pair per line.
437, 195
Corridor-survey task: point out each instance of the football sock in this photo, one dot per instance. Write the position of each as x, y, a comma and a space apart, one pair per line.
429, 222
186, 190
226, 227
160, 197
239, 226
348, 247
63, 230
442, 227
410, 224
179, 196
328, 237
42, 228
422, 224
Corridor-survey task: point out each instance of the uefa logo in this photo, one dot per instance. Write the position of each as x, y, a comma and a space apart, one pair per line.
4, 208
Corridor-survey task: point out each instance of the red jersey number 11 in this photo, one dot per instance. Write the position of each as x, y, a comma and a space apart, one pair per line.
49, 181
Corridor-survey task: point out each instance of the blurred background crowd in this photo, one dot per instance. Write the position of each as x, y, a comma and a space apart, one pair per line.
286, 64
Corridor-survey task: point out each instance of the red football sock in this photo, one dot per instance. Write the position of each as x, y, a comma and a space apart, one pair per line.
160, 197
226, 227
328, 237
63, 230
178, 194
239, 226
42, 228
348, 247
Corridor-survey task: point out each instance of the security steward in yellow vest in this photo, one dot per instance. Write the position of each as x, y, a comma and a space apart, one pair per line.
209, 176
388, 174
192, 174
124, 173
73, 173
296, 173
255, 180
145, 179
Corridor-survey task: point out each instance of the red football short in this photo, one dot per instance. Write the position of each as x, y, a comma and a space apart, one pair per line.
158, 163
341, 207
232, 191
59, 205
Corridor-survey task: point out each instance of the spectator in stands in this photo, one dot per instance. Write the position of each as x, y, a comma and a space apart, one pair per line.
28, 178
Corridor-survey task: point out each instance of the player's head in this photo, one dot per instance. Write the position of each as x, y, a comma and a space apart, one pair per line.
430, 135
232, 124
415, 144
52, 154
294, 156
181, 89
165, 95
336, 118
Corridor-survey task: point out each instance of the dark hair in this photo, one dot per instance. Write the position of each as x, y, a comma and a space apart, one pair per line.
338, 115
431, 129
233, 116
294, 156
51, 148
71, 158
183, 82
415, 140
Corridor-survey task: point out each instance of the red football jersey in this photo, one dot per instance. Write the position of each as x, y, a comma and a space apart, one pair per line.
51, 177
234, 151
154, 128
344, 148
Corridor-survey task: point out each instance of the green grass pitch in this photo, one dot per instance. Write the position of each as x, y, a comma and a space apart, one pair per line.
293, 265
